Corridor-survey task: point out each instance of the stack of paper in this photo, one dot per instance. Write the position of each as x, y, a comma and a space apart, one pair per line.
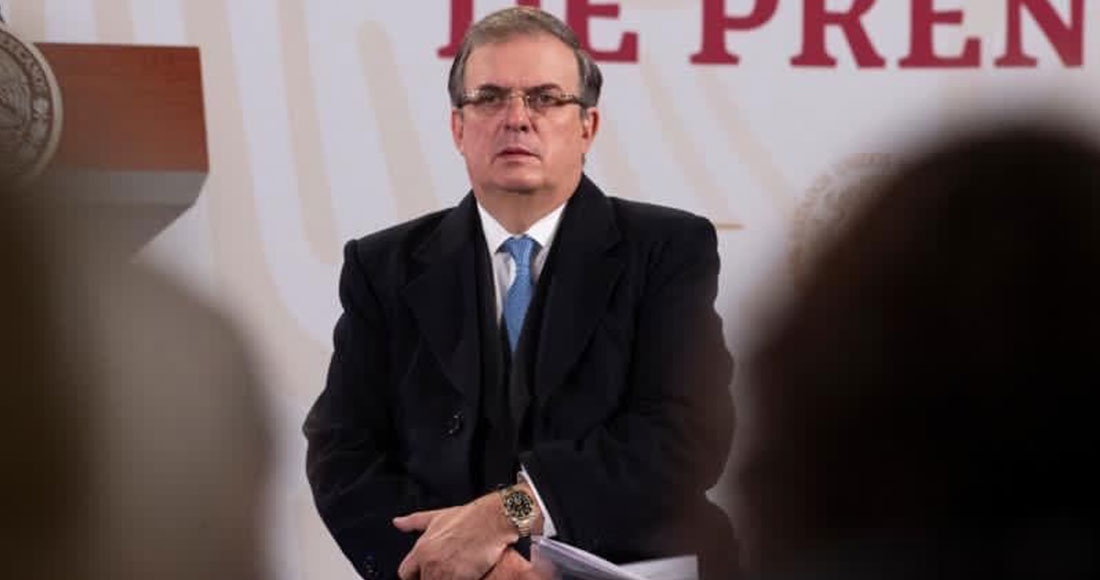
569, 562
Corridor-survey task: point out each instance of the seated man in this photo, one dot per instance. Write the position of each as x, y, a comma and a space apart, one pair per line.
540, 359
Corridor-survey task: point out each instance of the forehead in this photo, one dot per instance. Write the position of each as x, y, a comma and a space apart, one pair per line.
523, 61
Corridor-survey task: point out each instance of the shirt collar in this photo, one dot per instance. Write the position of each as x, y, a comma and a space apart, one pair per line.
541, 231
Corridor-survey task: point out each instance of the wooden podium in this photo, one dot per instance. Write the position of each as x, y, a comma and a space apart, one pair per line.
133, 152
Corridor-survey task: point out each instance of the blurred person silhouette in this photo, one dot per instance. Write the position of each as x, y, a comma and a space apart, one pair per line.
134, 442
923, 408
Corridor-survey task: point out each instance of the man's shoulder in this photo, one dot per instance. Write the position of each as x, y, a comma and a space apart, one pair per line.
641, 220
397, 241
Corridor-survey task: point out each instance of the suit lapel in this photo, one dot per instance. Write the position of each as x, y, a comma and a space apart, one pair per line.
585, 269
443, 297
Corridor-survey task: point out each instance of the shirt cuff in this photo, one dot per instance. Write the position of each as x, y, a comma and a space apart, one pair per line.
548, 529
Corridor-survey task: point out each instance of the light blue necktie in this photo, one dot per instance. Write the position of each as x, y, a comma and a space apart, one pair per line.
519, 294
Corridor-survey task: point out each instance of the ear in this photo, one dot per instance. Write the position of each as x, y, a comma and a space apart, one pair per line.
590, 123
457, 128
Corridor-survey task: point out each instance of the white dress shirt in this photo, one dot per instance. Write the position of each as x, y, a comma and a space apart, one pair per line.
504, 272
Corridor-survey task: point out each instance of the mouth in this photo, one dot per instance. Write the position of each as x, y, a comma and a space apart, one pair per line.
515, 152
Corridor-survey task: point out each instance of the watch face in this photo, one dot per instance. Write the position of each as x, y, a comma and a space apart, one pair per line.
518, 504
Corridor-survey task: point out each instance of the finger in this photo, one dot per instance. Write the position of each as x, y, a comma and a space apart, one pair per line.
409, 568
521, 564
510, 565
417, 521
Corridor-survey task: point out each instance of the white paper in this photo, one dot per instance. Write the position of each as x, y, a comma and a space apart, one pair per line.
571, 562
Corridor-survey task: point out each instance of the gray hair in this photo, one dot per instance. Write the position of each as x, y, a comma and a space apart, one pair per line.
516, 21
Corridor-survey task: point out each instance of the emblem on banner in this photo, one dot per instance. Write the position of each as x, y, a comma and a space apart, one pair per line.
30, 109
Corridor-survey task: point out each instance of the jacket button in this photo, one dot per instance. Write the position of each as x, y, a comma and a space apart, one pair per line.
454, 424
370, 568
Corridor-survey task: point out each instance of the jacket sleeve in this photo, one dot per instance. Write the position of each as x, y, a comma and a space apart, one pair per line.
358, 482
616, 489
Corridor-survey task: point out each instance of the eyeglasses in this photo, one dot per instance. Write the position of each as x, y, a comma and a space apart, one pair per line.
489, 100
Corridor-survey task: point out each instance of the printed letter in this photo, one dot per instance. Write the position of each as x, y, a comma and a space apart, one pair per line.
577, 14
922, 53
716, 23
1068, 39
814, 20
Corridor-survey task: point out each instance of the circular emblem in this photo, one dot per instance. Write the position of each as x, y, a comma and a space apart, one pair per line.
30, 110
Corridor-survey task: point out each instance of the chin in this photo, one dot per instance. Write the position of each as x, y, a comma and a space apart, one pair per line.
520, 183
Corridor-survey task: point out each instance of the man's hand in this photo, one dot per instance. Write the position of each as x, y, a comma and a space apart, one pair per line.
513, 566
461, 542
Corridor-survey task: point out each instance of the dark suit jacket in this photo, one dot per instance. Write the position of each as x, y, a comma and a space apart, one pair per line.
630, 417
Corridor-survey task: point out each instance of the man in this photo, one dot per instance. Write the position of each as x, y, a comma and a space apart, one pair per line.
539, 328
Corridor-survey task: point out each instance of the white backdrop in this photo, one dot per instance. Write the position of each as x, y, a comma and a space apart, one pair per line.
328, 119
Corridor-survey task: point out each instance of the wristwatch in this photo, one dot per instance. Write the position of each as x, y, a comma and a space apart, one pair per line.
519, 507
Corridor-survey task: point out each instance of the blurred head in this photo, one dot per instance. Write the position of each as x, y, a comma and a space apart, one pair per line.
135, 445
179, 447
42, 441
524, 105
933, 379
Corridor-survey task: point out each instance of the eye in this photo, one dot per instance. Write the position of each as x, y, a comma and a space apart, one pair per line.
544, 99
489, 99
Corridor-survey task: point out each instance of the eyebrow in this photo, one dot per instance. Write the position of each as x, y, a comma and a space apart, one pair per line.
542, 87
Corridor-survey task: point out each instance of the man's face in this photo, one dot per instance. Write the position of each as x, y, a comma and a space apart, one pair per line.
515, 149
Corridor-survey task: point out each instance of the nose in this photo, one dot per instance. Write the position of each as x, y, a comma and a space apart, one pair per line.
517, 116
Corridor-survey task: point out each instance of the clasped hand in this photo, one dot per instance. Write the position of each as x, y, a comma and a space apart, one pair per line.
464, 542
